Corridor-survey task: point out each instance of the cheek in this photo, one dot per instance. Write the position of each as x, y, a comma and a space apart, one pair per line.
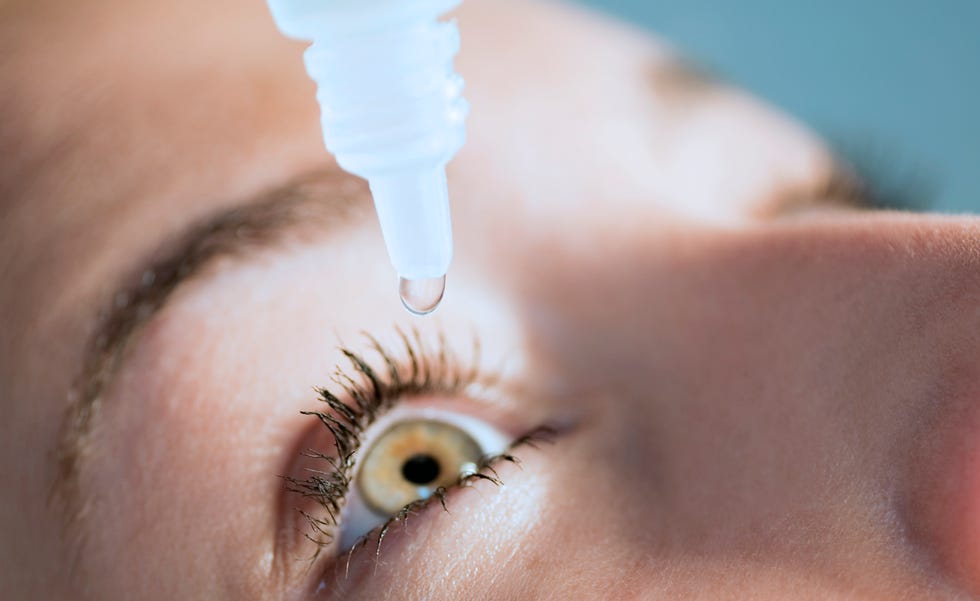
946, 504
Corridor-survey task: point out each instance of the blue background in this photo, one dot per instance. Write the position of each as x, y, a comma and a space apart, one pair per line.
893, 84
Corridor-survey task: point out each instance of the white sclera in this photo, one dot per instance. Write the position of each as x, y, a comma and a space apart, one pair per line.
358, 518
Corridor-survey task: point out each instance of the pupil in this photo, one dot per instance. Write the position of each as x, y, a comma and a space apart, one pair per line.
420, 469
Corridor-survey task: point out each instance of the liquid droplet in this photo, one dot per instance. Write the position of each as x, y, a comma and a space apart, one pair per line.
421, 297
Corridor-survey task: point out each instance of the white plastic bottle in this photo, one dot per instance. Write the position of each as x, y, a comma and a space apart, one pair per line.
392, 112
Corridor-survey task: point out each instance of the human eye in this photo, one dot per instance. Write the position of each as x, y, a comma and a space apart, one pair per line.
858, 180
395, 435
417, 455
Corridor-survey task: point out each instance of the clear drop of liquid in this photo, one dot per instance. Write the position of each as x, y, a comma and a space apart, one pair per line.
421, 297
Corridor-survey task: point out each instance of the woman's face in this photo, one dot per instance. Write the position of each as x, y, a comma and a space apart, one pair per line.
748, 390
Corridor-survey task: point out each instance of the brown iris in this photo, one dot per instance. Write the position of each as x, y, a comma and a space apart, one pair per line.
412, 459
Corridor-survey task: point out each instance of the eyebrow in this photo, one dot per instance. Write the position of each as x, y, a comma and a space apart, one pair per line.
308, 207
848, 183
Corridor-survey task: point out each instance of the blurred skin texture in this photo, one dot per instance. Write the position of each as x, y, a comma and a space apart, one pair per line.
769, 395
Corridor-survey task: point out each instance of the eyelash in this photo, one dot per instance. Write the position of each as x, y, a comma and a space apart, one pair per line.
370, 395
876, 177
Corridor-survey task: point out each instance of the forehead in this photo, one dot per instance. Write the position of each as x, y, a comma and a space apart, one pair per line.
123, 90
128, 119
116, 101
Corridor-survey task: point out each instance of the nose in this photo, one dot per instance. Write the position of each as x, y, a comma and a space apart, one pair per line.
751, 398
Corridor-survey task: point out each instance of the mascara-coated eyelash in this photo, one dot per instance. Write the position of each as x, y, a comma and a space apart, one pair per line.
365, 396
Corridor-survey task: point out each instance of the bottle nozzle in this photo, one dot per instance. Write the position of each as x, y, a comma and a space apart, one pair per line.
413, 208
392, 111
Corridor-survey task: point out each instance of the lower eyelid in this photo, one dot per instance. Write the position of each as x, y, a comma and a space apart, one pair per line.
348, 569
472, 439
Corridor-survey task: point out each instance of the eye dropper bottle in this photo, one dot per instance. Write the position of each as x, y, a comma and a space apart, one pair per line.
392, 112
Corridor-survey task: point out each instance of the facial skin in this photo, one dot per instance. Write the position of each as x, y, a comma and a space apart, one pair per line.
760, 401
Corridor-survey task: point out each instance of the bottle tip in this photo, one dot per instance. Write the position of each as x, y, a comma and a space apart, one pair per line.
421, 296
